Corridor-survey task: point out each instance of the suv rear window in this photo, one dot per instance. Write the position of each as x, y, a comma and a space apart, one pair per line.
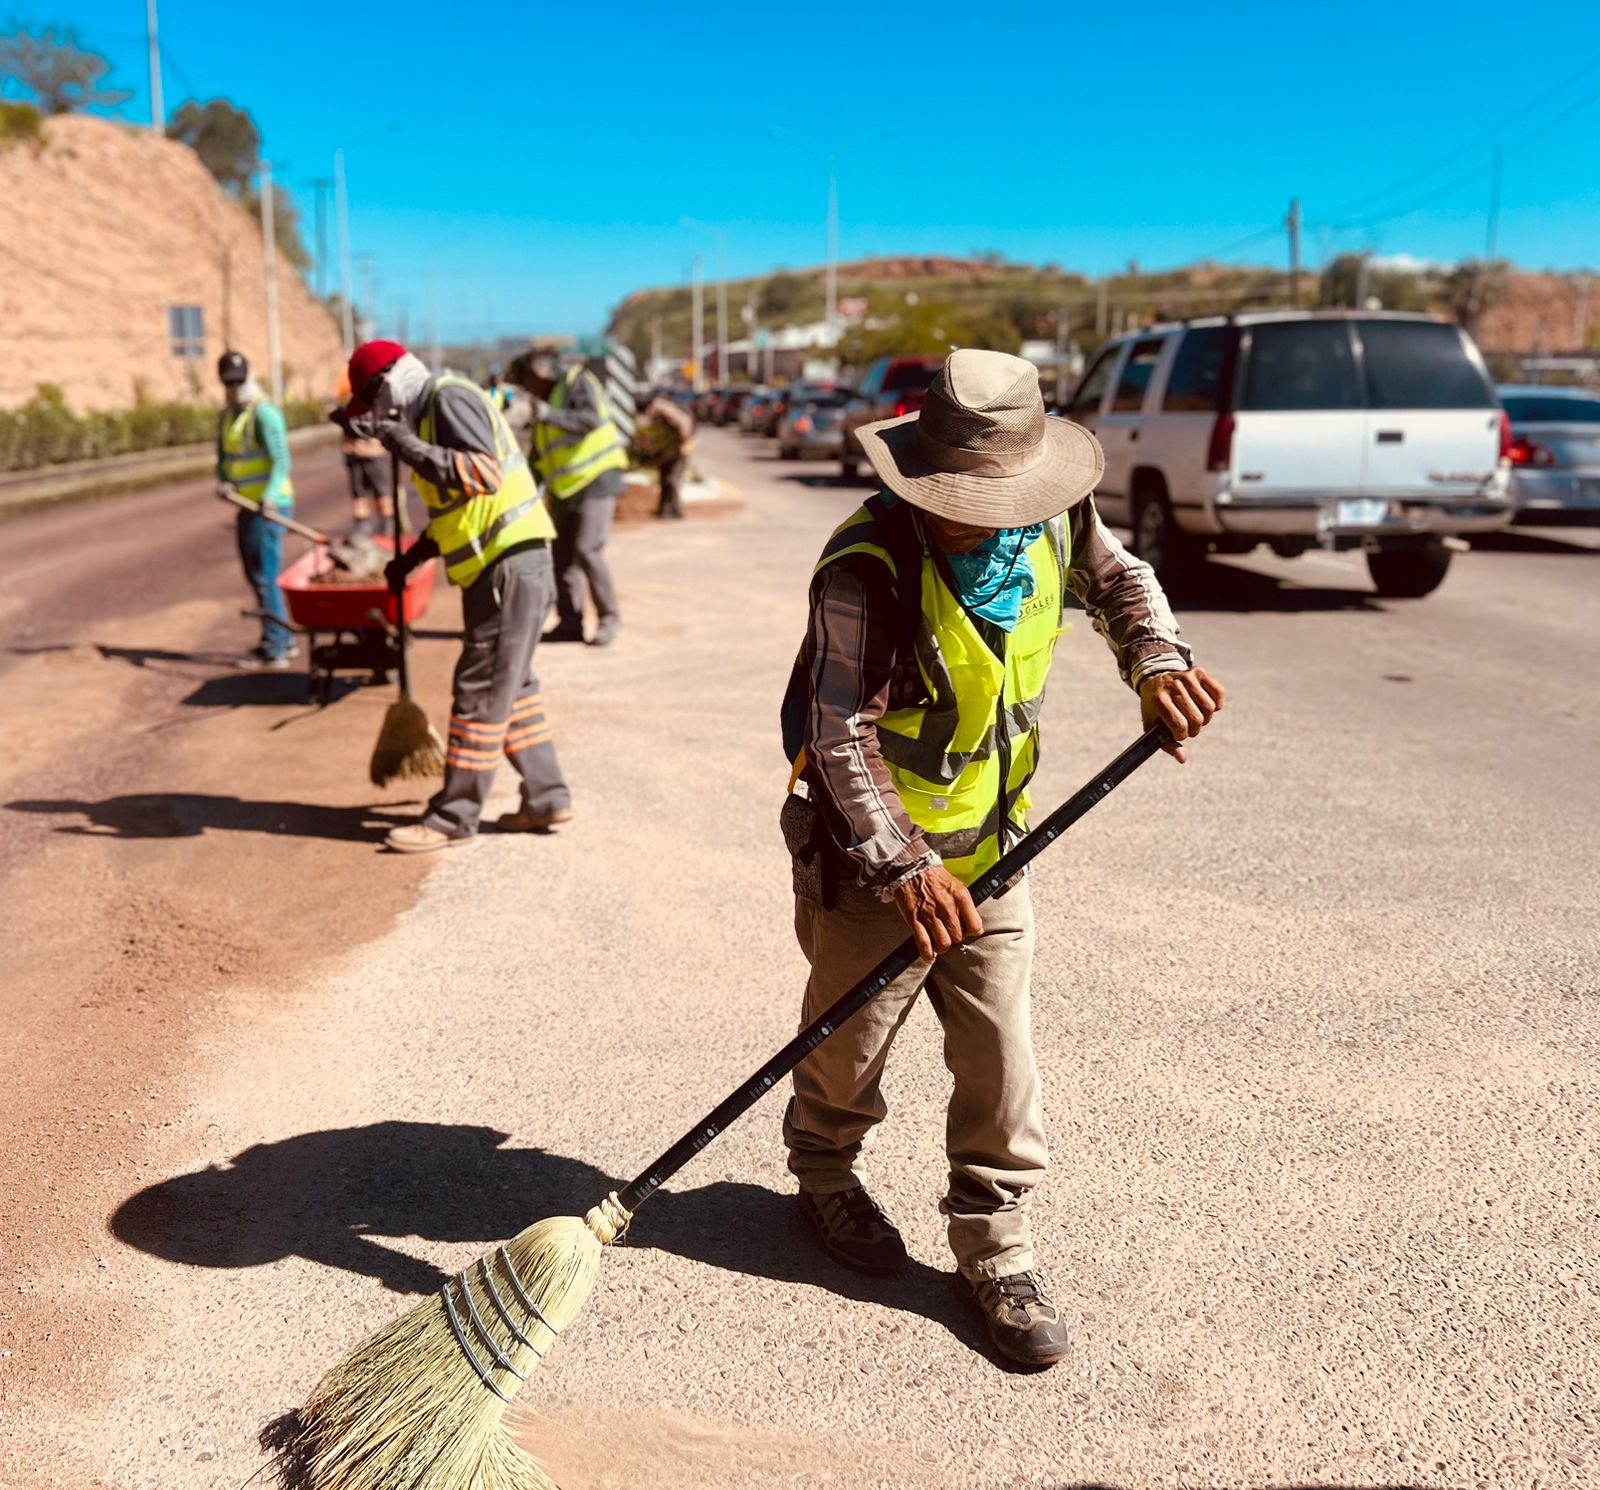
1198, 381
1552, 410
1129, 397
1421, 365
1301, 365
910, 377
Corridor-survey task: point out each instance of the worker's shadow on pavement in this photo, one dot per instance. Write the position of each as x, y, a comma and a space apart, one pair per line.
190, 814
332, 1196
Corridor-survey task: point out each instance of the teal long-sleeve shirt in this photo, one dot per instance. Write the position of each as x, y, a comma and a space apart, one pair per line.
274, 437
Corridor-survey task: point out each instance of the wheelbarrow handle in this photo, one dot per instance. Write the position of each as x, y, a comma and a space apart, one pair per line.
228, 494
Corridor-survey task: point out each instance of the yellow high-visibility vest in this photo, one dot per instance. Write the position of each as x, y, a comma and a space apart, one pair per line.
246, 462
961, 757
569, 462
473, 531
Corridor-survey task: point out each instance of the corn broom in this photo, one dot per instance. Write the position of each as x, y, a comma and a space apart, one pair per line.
419, 1405
408, 745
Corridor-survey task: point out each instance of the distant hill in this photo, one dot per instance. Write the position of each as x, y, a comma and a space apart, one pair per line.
1508, 310
105, 229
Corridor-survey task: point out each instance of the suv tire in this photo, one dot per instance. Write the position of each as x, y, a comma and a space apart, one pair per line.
849, 469
1157, 538
1409, 573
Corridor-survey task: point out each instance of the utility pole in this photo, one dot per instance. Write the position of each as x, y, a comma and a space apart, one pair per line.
269, 253
158, 113
369, 299
698, 298
722, 325
319, 188
1362, 273
1292, 223
341, 207
1492, 233
1100, 306
1580, 314
435, 351
832, 311
227, 297
655, 346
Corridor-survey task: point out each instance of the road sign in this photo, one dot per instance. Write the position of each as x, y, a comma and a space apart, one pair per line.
853, 307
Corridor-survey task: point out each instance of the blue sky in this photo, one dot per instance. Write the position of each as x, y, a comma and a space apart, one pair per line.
548, 157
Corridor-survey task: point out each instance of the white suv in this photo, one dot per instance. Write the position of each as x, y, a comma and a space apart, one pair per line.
1345, 429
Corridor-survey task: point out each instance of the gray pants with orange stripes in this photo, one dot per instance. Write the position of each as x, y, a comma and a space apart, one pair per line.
498, 708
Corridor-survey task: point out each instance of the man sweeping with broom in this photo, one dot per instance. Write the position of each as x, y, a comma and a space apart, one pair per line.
487, 521
912, 716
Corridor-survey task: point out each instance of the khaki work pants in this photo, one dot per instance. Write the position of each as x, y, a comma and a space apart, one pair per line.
994, 1133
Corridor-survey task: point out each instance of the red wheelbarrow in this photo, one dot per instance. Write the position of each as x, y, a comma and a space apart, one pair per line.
350, 627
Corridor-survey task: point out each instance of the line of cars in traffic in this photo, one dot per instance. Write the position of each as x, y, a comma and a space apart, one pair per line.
1363, 430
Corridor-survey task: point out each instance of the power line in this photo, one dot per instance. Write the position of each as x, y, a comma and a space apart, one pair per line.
1476, 143
1548, 127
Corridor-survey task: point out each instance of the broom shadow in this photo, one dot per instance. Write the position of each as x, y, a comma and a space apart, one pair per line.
334, 1196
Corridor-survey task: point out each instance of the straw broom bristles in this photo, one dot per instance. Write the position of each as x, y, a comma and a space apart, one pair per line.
408, 745
407, 1410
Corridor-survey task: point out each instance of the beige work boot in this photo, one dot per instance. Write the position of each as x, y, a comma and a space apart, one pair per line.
1023, 1323
419, 838
524, 820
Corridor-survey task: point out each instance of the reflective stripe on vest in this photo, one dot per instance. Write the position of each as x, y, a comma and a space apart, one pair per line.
246, 463
980, 711
569, 462
473, 531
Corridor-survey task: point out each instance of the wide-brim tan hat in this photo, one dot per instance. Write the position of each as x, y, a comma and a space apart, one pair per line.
982, 450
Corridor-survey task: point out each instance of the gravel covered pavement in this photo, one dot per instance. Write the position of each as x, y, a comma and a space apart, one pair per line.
1318, 1016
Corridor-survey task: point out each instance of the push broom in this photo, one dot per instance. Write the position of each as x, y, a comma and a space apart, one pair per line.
419, 1405
408, 746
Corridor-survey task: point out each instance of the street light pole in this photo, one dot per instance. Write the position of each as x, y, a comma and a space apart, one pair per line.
269, 254
698, 296
830, 315
158, 113
341, 204
722, 311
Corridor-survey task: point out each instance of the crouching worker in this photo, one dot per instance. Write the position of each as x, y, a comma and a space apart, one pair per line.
913, 716
487, 521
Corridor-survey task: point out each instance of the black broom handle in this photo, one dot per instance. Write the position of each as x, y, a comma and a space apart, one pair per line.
1023, 852
400, 594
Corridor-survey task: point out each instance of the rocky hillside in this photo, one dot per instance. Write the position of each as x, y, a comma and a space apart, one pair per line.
105, 229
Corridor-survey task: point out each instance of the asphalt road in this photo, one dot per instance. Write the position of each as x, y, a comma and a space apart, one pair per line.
1317, 1013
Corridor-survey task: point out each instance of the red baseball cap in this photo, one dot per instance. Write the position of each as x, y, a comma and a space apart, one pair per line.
366, 362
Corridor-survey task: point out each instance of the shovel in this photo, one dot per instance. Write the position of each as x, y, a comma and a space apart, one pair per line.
364, 561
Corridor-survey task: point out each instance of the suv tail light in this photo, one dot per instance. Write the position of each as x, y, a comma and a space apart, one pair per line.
1505, 437
901, 409
1526, 452
1219, 453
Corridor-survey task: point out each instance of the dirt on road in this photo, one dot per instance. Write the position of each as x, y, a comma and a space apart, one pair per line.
1317, 1017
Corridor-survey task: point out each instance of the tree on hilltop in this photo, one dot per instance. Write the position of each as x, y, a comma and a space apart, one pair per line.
55, 71
228, 143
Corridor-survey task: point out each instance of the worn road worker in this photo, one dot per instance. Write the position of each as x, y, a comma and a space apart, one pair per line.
912, 719
675, 425
487, 522
366, 464
253, 459
580, 455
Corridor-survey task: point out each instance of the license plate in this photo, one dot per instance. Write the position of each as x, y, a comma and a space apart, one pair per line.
1360, 512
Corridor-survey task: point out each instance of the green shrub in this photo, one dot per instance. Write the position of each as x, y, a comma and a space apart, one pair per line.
20, 124
45, 431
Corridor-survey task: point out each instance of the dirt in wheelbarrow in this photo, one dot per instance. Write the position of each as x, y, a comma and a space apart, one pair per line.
181, 844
